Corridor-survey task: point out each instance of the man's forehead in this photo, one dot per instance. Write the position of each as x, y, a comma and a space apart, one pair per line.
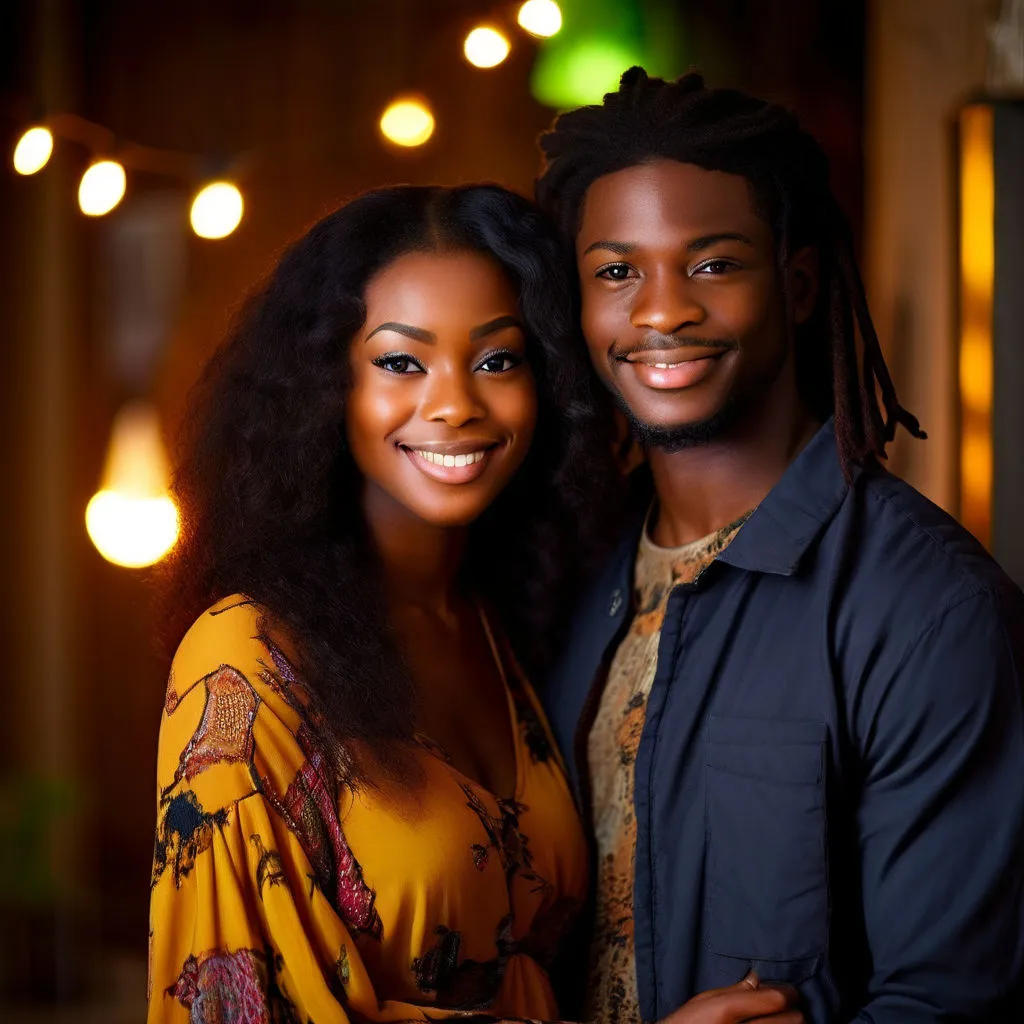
666, 194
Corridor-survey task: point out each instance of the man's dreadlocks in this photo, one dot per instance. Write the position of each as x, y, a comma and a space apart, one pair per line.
725, 130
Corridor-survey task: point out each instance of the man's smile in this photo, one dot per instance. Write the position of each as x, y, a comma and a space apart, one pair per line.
672, 369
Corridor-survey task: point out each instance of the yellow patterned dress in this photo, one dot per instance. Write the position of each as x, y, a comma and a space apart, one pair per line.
278, 896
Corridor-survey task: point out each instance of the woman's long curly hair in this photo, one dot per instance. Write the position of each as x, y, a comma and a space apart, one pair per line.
269, 494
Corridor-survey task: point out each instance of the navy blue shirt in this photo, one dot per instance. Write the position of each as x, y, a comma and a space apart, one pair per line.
830, 780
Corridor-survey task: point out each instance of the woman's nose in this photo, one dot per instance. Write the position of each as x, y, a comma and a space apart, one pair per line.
452, 398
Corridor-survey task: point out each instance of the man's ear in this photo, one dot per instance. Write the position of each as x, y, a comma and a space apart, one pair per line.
802, 278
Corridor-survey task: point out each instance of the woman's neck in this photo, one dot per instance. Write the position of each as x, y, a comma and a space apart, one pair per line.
421, 561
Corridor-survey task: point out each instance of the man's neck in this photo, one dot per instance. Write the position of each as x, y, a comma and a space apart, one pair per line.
703, 488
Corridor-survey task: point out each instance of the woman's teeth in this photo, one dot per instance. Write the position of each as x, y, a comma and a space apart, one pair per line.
665, 366
451, 460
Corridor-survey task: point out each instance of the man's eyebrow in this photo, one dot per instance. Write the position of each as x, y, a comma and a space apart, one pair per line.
706, 241
416, 333
499, 323
695, 245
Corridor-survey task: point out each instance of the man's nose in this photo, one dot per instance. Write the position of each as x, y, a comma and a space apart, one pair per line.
666, 302
452, 397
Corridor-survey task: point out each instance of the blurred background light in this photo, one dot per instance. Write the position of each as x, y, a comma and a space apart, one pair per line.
542, 18
486, 47
977, 279
407, 122
216, 210
33, 150
583, 71
132, 519
102, 188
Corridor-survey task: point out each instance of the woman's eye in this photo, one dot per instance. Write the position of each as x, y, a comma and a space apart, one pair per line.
397, 364
615, 272
500, 362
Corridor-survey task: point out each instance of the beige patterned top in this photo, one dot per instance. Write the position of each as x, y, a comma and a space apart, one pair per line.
611, 752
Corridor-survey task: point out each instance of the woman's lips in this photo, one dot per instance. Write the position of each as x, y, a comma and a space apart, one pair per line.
453, 464
670, 371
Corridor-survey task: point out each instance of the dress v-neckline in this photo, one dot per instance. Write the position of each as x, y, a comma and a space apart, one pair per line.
435, 749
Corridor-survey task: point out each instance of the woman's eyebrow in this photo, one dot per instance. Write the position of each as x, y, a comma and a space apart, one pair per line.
416, 333
499, 323
619, 248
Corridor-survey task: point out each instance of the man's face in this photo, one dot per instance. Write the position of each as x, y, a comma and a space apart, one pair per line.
682, 304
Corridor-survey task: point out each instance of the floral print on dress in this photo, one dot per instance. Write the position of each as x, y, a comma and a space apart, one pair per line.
185, 832
275, 878
232, 988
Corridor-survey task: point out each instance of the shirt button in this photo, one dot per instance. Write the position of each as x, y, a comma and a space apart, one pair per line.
616, 603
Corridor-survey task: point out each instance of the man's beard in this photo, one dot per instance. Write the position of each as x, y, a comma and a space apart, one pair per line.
681, 436
684, 435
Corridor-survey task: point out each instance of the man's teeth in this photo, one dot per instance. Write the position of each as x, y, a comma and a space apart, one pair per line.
666, 366
451, 460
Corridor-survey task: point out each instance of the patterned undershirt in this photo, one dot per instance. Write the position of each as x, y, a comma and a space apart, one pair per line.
611, 751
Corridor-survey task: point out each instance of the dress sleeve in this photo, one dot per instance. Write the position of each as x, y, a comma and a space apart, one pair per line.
257, 908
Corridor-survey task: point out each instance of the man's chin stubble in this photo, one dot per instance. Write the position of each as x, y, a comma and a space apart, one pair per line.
681, 436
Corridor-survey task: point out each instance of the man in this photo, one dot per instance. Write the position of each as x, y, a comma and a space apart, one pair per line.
793, 700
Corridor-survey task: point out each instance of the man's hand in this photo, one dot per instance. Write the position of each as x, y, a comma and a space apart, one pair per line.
747, 1000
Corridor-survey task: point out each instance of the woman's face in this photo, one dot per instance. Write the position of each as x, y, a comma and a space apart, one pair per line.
443, 403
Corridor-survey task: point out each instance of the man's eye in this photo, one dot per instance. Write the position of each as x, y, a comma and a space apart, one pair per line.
398, 364
500, 362
615, 272
715, 267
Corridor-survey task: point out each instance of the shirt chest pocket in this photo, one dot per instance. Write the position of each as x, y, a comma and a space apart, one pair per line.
767, 884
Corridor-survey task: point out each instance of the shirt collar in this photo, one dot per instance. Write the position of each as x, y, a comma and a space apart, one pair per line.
782, 528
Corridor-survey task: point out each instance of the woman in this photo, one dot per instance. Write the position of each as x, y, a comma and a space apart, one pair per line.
360, 812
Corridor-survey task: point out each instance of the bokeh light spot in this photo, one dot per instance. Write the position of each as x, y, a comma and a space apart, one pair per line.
542, 18
216, 210
33, 150
102, 188
486, 47
407, 122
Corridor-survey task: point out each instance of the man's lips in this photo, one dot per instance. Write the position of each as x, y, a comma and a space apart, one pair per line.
673, 369
674, 356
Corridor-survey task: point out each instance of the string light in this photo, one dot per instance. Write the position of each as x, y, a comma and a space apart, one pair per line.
218, 207
486, 47
32, 153
102, 188
407, 122
216, 210
542, 18
132, 520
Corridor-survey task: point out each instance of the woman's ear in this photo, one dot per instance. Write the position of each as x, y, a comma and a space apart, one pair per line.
802, 283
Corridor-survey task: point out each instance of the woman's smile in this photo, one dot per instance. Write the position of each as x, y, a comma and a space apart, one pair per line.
451, 463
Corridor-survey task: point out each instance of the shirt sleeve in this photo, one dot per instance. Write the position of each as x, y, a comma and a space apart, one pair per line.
941, 821
258, 909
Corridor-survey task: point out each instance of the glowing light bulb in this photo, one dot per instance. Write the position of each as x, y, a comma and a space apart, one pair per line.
541, 18
102, 188
132, 520
407, 122
32, 153
486, 47
216, 210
